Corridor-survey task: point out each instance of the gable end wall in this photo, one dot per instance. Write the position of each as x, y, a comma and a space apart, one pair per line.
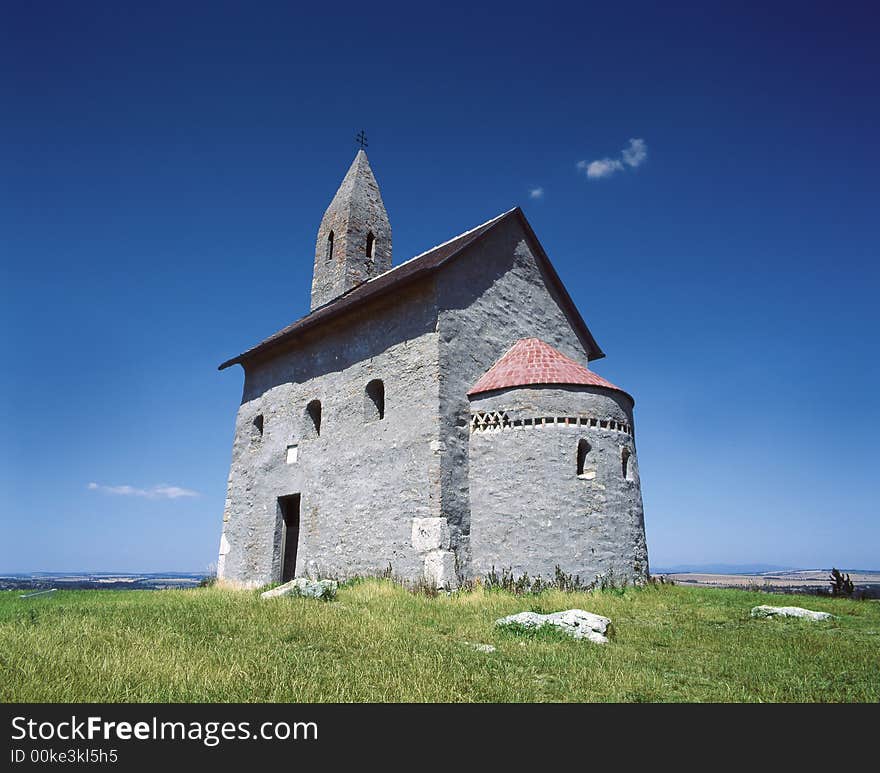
489, 298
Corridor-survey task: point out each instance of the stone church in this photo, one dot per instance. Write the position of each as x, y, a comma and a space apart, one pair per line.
437, 417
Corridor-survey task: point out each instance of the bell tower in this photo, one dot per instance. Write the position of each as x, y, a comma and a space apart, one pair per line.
354, 240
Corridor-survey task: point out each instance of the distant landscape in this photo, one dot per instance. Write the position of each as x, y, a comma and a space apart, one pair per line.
99, 581
804, 581
722, 568
754, 577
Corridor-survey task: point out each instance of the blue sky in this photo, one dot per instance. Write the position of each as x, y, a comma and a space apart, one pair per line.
165, 167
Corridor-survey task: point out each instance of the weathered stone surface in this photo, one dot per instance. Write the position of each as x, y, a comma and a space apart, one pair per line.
361, 483
530, 510
807, 614
575, 622
495, 486
440, 569
302, 586
430, 534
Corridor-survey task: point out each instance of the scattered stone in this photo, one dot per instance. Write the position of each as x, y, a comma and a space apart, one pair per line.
575, 622
480, 647
808, 614
303, 586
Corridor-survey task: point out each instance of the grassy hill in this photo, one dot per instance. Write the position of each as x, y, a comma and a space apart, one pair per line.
379, 642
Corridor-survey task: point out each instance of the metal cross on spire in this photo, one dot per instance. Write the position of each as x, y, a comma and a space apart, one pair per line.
361, 139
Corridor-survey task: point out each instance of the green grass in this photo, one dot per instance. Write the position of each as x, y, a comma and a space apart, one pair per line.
379, 642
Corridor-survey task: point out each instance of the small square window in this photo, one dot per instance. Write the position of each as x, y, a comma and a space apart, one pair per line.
292, 454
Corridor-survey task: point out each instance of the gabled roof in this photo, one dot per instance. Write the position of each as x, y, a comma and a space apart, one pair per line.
415, 268
530, 361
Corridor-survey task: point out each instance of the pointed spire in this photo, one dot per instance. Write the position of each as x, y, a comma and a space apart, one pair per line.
354, 239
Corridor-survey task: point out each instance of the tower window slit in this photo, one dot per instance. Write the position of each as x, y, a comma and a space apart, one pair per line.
328, 254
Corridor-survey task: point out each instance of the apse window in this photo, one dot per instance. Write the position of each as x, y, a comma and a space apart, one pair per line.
374, 401
312, 420
292, 454
583, 450
626, 463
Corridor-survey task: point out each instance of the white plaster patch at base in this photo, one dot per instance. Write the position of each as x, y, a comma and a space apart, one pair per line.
430, 534
221, 557
440, 569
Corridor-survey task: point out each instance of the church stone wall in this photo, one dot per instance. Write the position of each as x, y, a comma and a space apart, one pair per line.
370, 490
419, 490
530, 510
489, 298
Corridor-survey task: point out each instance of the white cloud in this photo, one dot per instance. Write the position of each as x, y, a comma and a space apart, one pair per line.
161, 491
636, 153
633, 155
536, 193
604, 167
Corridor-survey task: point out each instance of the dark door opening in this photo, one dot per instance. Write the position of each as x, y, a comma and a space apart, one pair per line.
289, 507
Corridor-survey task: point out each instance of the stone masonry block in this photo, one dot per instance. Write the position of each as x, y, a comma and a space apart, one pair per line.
440, 569
430, 534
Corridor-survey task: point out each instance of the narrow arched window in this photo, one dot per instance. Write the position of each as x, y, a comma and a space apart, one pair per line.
328, 254
626, 463
371, 240
583, 450
312, 420
257, 428
374, 401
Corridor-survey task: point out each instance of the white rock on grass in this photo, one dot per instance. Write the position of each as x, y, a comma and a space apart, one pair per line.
303, 586
808, 614
575, 622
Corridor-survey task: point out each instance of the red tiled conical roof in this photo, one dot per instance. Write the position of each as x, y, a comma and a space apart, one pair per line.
531, 361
